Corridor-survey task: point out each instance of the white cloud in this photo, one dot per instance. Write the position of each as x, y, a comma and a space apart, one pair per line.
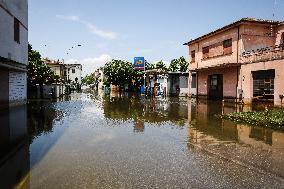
90, 64
93, 29
71, 18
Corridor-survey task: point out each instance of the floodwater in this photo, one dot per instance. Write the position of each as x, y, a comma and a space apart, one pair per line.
93, 141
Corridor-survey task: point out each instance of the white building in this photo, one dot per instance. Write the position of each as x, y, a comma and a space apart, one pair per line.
99, 77
13, 51
74, 71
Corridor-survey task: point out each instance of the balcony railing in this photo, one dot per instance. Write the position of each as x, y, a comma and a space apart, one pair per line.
263, 54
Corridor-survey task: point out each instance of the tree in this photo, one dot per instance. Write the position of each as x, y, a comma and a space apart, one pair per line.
119, 72
179, 64
89, 79
174, 66
149, 66
39, 73
161, 65
183, 64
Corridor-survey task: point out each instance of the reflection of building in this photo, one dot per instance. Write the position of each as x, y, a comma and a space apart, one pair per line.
74, 73
242, 60
13, 51
139, 126
58, 68
14, 146
257, 146
150, 110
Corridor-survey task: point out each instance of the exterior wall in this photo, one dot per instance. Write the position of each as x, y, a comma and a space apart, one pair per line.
78, 72
12, 50
230, 77
17, 87
255, 36
279, 34
246, 84
245, 37
14, 54
183, 83
216, 52
55, 68
99, 76
59, 69
192, 90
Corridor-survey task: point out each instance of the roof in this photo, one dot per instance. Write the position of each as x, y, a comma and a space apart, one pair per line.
73, 64
241, 21
224, 65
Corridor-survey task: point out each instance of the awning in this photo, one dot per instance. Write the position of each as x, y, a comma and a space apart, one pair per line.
218, 66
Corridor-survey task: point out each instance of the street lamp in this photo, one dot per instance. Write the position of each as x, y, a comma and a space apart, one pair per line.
68, 52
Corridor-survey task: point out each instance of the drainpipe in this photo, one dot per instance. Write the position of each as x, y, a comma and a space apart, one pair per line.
197, 72
238, 67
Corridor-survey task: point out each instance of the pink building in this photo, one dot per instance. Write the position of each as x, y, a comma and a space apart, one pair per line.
243, 61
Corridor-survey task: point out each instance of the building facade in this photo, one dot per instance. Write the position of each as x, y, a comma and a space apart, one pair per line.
74, 73
168, 83
59, 68
99, 78
13, 52
241, 61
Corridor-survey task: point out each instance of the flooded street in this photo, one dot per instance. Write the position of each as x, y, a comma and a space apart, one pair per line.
95, 141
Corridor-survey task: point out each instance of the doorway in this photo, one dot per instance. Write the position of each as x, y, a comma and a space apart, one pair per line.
215, 86
4, 88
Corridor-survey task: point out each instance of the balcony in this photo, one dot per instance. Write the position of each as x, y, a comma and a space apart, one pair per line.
263, 54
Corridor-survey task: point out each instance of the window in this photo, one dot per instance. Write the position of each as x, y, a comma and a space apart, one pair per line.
263, 83
16, 30
73, 70
227, 46
214, 82
192, 56
205, 51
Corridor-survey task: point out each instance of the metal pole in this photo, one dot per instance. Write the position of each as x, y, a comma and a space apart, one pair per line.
144, 76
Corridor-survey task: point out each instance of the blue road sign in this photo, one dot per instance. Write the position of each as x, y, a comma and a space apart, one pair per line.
139, 63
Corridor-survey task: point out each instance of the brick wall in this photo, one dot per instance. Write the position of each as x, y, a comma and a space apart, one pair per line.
17, 87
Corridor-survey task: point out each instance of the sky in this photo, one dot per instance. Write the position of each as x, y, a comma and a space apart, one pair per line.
124, 29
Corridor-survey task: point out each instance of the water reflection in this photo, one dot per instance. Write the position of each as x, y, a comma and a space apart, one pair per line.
14, 146
20, 126
149, 110
257, 146
41, 117
27, 134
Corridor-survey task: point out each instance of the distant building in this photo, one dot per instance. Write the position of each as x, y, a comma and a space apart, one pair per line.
74, 73
99, 77
13, 52
58, 67
243, 61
